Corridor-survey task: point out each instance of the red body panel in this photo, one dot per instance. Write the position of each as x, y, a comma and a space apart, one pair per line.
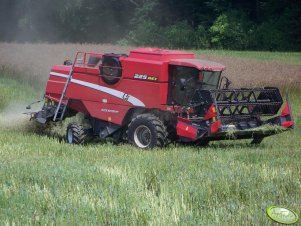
186, 130
286, 116
215, 127
107, 112
88, 87
160, 54
286, 110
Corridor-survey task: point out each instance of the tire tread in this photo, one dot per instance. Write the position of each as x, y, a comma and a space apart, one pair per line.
79, 134
161, 132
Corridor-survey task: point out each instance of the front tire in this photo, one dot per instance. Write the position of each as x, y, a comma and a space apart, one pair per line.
147, 131
75, 134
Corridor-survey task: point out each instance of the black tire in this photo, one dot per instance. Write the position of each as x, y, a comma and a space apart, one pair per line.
75, 134
147, 131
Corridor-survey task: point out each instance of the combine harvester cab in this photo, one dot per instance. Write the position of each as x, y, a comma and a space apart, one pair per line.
152, 97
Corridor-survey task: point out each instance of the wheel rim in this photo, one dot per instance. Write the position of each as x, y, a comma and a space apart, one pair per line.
142, 136
70, 136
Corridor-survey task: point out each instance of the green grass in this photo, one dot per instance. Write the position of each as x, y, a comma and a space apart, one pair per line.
281, 57
46, 181
14, 91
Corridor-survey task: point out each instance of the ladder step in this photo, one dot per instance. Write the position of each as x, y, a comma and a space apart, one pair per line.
64, 110
61, 111
61, 102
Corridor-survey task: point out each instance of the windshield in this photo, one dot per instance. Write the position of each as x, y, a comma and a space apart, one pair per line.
210, 79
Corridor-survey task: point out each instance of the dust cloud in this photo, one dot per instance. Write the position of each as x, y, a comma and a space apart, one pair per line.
12, 116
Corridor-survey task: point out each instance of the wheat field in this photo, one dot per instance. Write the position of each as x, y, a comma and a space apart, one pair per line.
33, 61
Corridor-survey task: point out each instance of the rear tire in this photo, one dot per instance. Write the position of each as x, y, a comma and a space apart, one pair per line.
75, 134
147, 131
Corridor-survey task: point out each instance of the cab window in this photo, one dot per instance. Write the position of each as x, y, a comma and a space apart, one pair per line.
209, 79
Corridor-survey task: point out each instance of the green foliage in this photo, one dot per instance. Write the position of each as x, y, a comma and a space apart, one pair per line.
11, 92
228, 24
267, 36
178, 35
229, 31
201, 38
181, 35
145, 33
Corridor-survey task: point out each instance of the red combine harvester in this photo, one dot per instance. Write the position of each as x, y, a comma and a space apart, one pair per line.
153, 96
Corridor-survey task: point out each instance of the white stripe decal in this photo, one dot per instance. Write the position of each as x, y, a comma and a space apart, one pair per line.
113, 92
59, 75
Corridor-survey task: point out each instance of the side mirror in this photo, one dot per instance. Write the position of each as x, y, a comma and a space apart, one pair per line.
224, 83
228, 83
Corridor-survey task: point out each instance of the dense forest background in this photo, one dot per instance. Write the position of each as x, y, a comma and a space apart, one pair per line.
227, 24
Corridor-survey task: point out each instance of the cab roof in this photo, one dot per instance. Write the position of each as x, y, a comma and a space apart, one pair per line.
160, 54
199, 64
175, 57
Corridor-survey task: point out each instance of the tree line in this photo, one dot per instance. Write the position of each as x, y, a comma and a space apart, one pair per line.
220, 24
